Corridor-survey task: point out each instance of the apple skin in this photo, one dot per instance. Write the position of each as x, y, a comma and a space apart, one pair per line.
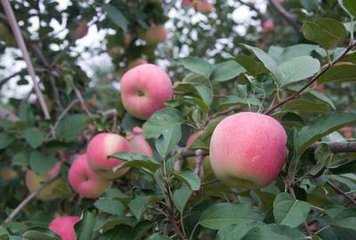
100, 147
145, 89
64, 227
155, 34
84, 180
248, 149
138, 143
268, 25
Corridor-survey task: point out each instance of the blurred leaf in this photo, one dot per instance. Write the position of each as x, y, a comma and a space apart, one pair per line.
197, 65
36, 235
236, 231
339, 74
165, 127
325, 125
298, 69
114, 222
41, 163
116, 16
34, 136
275, 232
227, 70
189, 178
5, 140
289, 211
138, 205
157, 236
181, 197
137, 160
111, 206
87, 225
221, 215
327, 32
71, 126
349, 6
267, 60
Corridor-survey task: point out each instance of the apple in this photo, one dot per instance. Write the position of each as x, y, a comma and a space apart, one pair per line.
138, 143
81, 30
155, 34
268, 25
84, 180
145, 89
203, 6
33, 181
187, 3
100, 147
64, 227
248, 148
8, 174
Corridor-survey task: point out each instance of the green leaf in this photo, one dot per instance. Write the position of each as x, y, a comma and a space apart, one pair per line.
201, 86
227, 70
349, 6
71, 126
165, 127
345, 218
41, 163
327, 32
157, 236
137, 160
111, 206
5, 140
236, 231
116, 17
289, 211
221, 215
113, 222
275, 232
189, 178
266, 59
197, 65
181, 197
339, 74
325, 125
298, 69
300, 50
138, 205
307, 104
87, 226
34, 136
36, 235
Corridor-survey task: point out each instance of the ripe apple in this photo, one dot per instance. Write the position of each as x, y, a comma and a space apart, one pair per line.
155, 34
268, 25
33, 181
100, 147
138, 143
248, 148
64, 227
81, 30
7, 174
203, 6
145, 89
84, 180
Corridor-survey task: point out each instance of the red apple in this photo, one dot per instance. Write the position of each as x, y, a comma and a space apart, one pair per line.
84, 180
138, 143
155, 34
145, 89
64, 227
203, 6
268, 25
248, 148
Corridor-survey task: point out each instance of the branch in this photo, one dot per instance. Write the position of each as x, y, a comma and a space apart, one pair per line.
290, 18
199, 158
312, 80
21, 43
339, 191
28, 199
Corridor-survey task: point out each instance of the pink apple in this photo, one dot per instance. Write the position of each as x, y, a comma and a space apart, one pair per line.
138, 143
84, 180
100, 147
268, 25
248, 148
203, 6
155, 34
145, 89
64, 227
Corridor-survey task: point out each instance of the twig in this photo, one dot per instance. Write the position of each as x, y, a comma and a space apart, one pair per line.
28, 199
199, 158
338, 190
21, 43
5, 80
290, 18
81, 100
312, 80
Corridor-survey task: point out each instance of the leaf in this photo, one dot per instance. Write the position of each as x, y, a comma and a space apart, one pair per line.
111, 206
345, 219
197, 65
165, 127
5, 140
189, 178
157, 236
113, 222
71, 126
220, 215
181, 197
138, 205
307, 104
34, 136
137, 160
41, 163
327, 32
236, 231
36, 235
116, 17
349, 6
300, 50
275, 232
339, 74
325, 125
266, 59
87, 226
226, 71
288, 211
298, 69
201, 86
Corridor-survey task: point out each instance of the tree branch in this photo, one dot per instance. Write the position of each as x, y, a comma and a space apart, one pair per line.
290, 18
312, 80
339, 191
21, 43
